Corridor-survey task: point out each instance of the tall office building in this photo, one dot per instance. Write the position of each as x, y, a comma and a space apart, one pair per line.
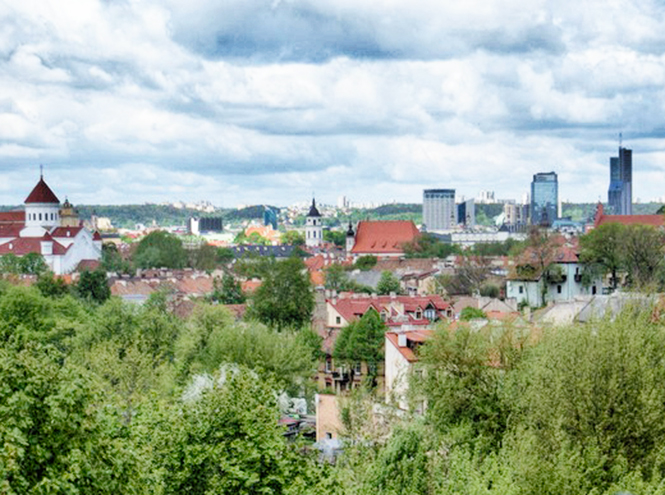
544, 199
620, 194
439, 211
466, 213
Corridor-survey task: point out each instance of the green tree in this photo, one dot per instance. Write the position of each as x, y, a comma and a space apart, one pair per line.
293, 238
160, 249
388, 283
590, 407
643, 256
603, 247
33, 264
428, 246
224, 255
228, 291
93, 286
226, 440
470, 313
50, 286
366, 262
10, 264
361, 341
204, 257
284, 298
53, 438
337, 237
463, 389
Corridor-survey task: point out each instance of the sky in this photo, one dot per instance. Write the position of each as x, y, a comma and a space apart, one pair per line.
271, 101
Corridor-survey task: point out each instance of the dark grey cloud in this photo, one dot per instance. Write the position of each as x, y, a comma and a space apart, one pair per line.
265, 31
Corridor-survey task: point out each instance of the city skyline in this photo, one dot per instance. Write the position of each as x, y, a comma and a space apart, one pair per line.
268, 101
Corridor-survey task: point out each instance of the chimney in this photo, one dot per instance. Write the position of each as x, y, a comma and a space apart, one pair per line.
401, 340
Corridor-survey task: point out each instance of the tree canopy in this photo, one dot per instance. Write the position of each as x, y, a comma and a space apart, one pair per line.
160, 249
284, 298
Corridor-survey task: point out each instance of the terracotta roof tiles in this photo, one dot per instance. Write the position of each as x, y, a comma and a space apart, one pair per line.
384, 237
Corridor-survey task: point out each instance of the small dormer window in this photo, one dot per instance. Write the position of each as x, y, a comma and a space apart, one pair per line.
419, 314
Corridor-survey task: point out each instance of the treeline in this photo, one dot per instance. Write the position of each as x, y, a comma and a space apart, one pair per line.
573, 410
114, 398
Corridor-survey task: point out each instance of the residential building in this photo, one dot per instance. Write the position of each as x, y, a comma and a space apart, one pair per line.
400, 314
400, 362
544, 199
561, 280
620, 193
439, 209
48, 228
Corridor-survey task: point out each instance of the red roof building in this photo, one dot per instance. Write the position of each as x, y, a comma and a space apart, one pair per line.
657, 221
384, 238
40, 229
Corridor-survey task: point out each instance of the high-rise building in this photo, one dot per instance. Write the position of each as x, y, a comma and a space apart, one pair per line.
439, 211
466, 213
620, 193
544, 199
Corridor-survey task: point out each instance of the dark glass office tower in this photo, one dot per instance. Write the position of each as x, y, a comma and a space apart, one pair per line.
620, 193
544, 199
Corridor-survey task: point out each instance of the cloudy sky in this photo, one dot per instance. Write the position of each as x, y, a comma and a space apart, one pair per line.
268, 101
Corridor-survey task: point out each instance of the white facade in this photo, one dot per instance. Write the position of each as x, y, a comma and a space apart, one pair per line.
397, 369
530, 291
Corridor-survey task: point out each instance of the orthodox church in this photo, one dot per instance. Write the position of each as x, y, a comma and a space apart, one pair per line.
51, 229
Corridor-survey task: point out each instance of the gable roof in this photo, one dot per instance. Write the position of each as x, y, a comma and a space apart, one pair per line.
379, 237
42, 194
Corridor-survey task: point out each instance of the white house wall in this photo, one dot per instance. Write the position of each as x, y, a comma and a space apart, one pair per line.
397, 369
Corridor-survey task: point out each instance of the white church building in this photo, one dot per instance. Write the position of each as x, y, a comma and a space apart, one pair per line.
51, 229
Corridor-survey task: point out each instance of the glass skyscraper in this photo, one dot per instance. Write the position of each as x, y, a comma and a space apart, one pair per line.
620, 194
544, 199
439, 211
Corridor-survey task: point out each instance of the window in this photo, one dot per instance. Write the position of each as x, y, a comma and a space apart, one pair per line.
328, 365
40, 216
430, 314
558, 289
357, 368
419, 315
593, 290
521, 289
338, 320
328, 435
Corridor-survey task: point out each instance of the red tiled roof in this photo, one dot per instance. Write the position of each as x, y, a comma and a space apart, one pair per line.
653, 220
384, 237
12, 217
602, 219
11, 230
315, 263
66, 231
42, 194
352, 308
25, 245
415, 336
